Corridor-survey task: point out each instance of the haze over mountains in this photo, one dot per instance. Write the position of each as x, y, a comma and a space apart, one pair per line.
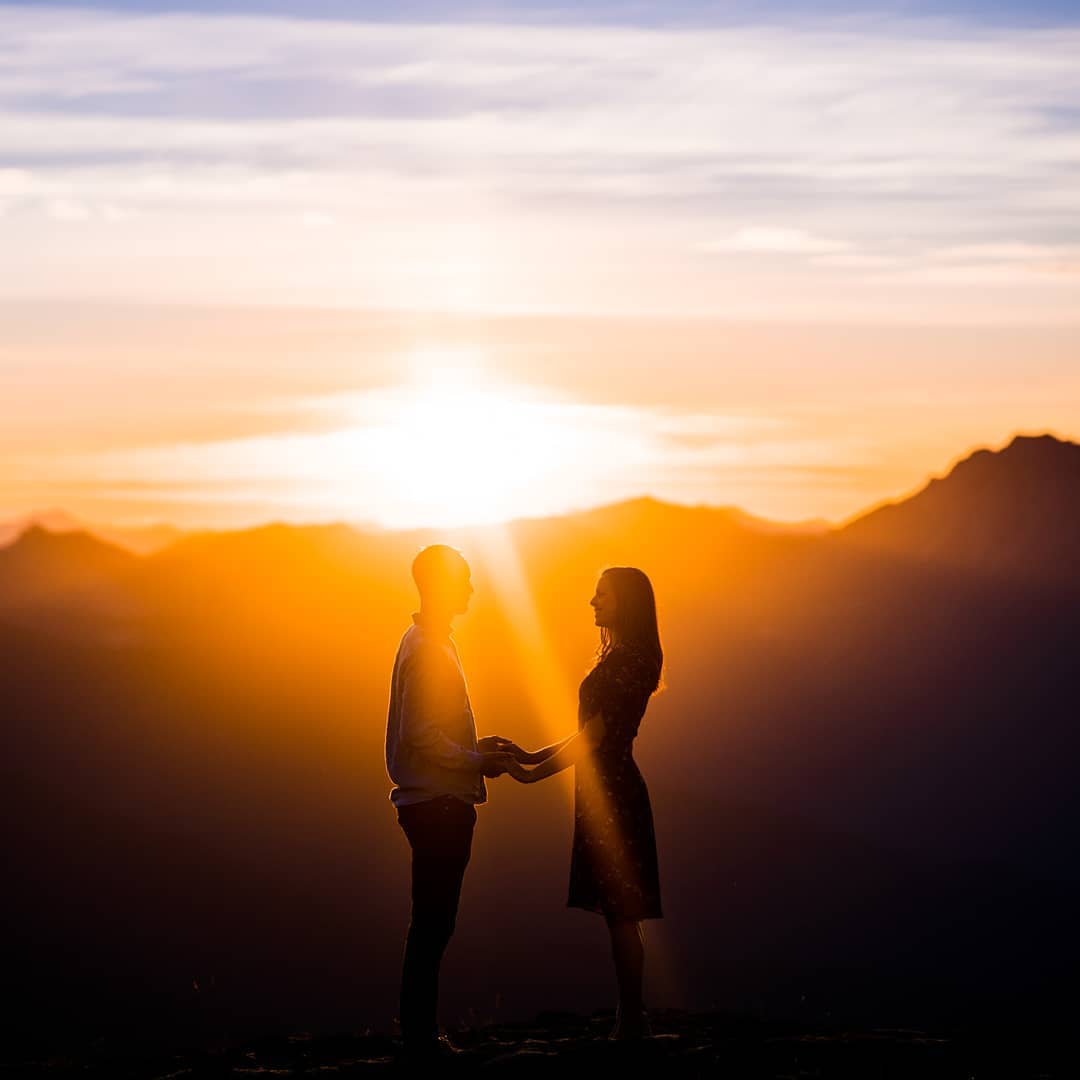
864, 764
138, 539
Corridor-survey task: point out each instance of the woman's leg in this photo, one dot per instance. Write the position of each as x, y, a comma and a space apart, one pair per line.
628, 952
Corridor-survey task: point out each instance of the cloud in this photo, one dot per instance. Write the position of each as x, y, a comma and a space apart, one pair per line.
1012, 252
574, 449
316, 219
67, 210
774, 240
112, 212
625, 153
856, 261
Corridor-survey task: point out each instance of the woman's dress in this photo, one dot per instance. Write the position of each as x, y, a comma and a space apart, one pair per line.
613, 865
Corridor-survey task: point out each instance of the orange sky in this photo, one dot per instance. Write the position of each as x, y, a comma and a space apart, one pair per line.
228, 417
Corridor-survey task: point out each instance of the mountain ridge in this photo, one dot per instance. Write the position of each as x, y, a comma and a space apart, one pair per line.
1013, 511
59, 522
1012, 464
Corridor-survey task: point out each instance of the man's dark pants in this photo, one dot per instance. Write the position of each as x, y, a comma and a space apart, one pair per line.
440, 833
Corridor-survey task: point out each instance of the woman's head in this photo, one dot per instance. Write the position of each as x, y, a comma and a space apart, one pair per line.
625, 610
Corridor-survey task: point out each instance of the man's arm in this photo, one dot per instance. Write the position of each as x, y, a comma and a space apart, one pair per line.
431, 692
427, 697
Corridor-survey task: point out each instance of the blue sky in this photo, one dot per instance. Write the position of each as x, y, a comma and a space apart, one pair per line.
665, 12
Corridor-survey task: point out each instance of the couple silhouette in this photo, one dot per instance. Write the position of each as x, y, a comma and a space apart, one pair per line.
438, 767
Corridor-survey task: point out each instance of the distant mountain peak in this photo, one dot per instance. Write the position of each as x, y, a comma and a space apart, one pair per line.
1038, 460
36, 538
1042, 443
1044, 447
55, 519
42, 566
1015, 510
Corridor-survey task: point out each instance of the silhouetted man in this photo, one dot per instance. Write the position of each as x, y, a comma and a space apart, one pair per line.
438, 768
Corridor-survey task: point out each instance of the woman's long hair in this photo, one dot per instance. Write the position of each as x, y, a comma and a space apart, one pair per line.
635, 616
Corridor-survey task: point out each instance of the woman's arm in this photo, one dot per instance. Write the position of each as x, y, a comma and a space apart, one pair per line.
541, 755
566, 753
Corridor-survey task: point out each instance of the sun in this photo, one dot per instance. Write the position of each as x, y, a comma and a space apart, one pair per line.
457, 447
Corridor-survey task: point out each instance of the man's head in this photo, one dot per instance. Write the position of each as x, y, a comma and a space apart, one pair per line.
443, 578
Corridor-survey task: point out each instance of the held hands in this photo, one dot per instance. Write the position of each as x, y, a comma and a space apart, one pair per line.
494, 759
495, 764
496, 755
496, 744
503, 756
492, 765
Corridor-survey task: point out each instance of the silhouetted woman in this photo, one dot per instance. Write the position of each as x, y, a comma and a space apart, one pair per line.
613, 866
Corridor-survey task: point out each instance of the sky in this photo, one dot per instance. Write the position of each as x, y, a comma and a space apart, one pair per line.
425, 263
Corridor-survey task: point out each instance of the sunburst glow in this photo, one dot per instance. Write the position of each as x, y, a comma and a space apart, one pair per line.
456, 447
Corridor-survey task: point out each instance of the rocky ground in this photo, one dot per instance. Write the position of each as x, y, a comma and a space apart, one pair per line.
564, 1044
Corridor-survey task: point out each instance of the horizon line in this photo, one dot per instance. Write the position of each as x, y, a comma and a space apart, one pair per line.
30, 519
